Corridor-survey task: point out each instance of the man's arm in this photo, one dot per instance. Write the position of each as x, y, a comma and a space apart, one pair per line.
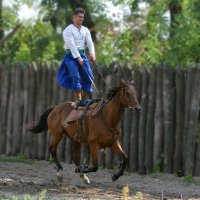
90, 45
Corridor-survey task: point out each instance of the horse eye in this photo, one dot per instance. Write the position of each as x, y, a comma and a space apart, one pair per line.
128, 94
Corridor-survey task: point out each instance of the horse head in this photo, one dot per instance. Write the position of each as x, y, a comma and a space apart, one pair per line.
128, 95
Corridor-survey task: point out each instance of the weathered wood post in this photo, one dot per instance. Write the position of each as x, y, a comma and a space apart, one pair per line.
142, 122
133, 154
5, 80
180, 113
158, 123
150, 122
193, 114
169, 117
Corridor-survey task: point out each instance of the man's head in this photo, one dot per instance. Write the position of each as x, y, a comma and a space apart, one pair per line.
78, 16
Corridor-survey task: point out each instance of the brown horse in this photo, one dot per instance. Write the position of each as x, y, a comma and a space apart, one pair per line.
102, 129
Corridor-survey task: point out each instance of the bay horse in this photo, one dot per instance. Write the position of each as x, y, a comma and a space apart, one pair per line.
102, 129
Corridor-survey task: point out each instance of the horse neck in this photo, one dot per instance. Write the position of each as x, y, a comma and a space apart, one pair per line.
112, 111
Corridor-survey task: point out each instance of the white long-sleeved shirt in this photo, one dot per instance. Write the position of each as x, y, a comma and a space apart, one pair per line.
75, 39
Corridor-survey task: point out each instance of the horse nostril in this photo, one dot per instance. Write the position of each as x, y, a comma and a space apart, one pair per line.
137, 108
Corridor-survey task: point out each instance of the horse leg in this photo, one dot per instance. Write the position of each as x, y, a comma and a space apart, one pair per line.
94, 149
76, 147
118, 150
53, 152
94, 152
76, 158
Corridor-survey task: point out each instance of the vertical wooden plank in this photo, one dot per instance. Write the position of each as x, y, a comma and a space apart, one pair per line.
142, 122
188, 92
68, 143
30, 148
41, 107
192, 123
61, 147
127, 132
4, 100
25, 107
9, 124
103, 89
180, 113
50, 87
158, 123
197, 157
150, 122
169, 117
133, 161
18, 106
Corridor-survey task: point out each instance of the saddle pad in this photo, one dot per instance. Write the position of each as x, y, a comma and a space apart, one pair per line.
92, 110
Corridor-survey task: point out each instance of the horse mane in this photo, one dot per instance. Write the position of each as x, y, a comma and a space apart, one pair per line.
112, 92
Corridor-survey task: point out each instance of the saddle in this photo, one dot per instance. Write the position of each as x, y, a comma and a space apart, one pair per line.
91, 110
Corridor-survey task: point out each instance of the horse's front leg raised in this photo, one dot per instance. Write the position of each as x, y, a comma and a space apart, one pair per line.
118, 150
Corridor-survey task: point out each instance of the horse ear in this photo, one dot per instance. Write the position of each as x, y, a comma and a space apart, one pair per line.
123, 82
131, 81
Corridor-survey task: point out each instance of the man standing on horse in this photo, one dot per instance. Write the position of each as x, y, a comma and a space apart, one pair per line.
75, 72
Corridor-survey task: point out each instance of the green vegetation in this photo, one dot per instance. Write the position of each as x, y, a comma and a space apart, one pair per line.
16, 158
188, 179
138, 196
41, 196
151, 32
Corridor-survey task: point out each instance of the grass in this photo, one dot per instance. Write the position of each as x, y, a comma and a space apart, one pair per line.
16, 158
42, 196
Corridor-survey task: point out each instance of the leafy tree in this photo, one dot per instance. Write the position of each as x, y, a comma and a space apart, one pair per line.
168, 31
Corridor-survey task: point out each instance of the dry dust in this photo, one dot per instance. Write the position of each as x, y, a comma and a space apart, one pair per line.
18, 179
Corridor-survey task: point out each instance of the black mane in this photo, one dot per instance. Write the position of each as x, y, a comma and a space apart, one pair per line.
112, 92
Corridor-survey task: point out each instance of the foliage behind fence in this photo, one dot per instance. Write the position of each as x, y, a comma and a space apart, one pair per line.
163, 137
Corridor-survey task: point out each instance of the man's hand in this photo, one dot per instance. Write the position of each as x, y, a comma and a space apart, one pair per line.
80, 60
92, 57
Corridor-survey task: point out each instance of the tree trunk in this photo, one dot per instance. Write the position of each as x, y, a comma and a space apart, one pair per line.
174, 9
1, 22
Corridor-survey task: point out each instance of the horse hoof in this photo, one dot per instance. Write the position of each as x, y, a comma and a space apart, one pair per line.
114, 177
85, 178
77, 170
59, 176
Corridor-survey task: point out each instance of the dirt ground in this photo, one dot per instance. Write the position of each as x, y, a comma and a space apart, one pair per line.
18, 179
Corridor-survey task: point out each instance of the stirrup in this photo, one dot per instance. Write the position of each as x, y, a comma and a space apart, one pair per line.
84, 102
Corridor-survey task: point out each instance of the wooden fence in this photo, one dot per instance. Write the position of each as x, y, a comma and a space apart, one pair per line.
163, 137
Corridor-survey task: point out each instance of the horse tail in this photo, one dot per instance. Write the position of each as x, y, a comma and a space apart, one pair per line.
42, 124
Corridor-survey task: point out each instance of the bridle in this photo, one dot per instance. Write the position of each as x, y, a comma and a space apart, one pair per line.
123, 99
